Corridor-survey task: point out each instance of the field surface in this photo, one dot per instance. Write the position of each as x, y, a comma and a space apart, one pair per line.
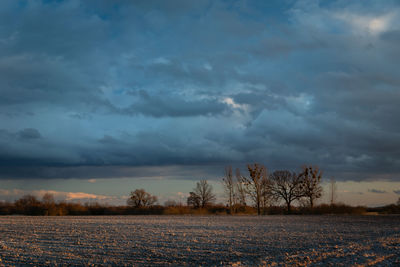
200, 240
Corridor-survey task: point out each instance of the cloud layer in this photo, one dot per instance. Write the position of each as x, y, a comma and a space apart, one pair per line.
97, 89
11, 195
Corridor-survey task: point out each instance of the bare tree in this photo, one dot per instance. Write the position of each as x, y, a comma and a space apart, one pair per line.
241, 190
255, 184
310, 183
28, 204
204, 192
193, 200
140, 198
286, 185
229, 186
48, 199
49, 204
332, 187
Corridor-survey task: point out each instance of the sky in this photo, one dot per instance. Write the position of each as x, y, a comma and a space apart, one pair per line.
98, 98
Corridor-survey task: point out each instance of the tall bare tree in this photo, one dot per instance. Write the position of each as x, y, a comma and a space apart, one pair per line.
286, 185
266, 196
140, 198
311, 183
230, 188
204, 192
255, 184
240, 188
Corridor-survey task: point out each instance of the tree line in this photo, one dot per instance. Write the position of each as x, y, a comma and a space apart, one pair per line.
261, 189
264, 190
255, 193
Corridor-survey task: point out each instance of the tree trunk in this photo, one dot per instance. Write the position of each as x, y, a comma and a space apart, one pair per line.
288, 207
311, 202
230, 202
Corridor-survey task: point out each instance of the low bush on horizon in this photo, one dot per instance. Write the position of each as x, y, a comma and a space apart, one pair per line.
30, 205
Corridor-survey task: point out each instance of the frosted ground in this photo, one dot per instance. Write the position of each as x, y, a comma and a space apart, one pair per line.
205, 240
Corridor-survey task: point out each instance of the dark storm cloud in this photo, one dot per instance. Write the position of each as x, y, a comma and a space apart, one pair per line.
174, 106
93, 88
187, 172
29, 133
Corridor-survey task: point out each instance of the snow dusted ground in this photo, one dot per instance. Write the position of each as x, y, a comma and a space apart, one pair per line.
200, 240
